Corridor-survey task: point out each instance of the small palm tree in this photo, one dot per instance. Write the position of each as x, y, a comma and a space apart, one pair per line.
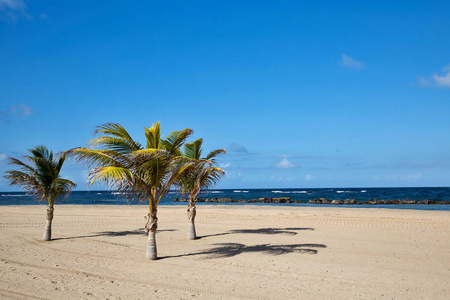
141, 173
41, 179
202, 174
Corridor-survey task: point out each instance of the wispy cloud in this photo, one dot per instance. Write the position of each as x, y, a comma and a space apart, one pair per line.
237, 148
3, 157
284, 164
12, 4
294, 156
281, 178
309, 177
11, 10
407, 177
233, 174
20, 110
351, 63
424, 82
225, 165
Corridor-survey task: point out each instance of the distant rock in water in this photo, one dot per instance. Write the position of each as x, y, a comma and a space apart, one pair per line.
259, 200
320, 201
350, 201
337, 202
313, 201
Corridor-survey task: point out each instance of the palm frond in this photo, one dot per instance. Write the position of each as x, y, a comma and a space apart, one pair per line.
153, 136
176, 172
98, 157
110, 175
176, 139
148, 153
213, 154
193, 149
61, 188
116, 137
115, 144
210, 176
42, 178
201, 173
21, 179
22, 165
41, 152
61, 160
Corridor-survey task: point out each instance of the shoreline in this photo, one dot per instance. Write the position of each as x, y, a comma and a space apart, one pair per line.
244, 252
295, 197
419, 207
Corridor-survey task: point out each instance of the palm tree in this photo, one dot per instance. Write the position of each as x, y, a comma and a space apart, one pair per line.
201, 175
41, 178
141, 173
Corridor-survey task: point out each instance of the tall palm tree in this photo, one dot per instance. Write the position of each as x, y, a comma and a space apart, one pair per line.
141, 173
202, 174
41, 178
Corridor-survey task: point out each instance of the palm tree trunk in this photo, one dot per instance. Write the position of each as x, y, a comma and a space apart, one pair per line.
151, 226
191, 212
48, 225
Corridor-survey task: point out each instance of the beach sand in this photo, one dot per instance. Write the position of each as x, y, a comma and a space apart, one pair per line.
244, 252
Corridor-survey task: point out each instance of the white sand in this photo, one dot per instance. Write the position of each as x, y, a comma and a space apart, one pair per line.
246, 252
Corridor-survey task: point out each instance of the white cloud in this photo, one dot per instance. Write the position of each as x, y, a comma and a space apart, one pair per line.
225, 165
351, 63
3, 156
443, 81
284, 164
309, 177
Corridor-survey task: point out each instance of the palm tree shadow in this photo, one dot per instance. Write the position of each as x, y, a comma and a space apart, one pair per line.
286, 231
139, 231
224, 250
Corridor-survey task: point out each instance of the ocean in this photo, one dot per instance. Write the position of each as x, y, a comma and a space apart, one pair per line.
436, 194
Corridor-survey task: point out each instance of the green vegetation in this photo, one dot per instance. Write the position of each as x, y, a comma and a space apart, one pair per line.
201, 175
41, 178
142, 173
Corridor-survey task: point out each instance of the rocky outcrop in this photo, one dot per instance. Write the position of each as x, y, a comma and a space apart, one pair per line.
349, 201
259, 200
337, 202
315, 201
320, 201
431, 202
275, 200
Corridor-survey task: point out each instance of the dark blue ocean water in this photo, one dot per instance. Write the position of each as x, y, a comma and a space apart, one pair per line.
359, 194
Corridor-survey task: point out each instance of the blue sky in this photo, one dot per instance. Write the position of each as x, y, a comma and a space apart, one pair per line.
302, 94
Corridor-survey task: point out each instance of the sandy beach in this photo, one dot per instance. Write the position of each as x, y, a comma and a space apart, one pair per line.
244, 252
